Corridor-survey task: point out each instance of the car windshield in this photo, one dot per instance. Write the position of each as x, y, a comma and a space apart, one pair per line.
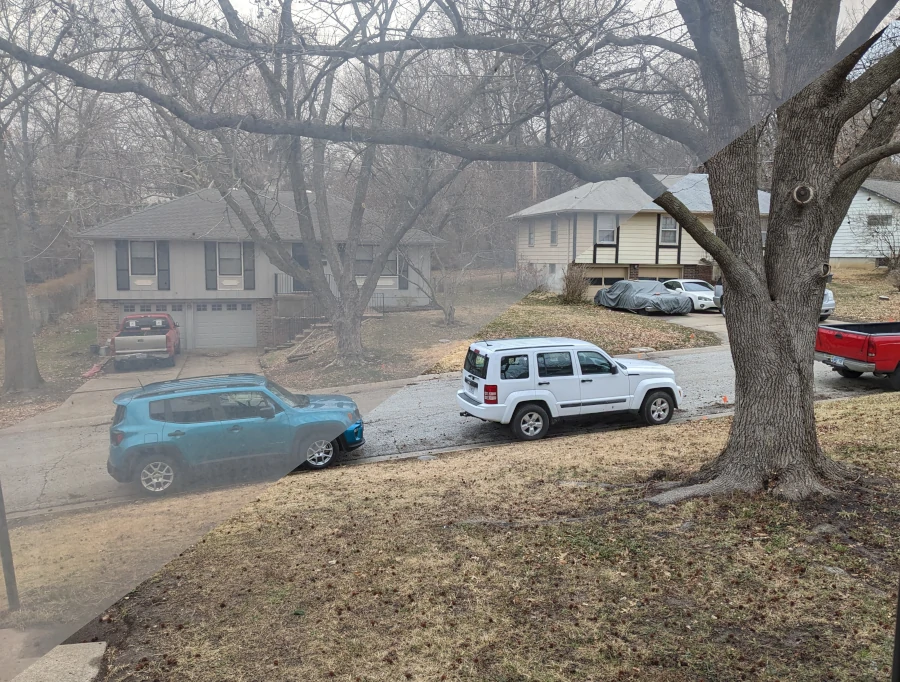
292, 399
697, 286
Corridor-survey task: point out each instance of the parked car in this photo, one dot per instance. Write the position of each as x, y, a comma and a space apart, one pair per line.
698, 291
855, 349
528, 383
165, 433
152, 337
642, 296
828, 303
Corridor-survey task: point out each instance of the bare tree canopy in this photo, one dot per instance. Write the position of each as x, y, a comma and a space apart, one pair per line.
735, 85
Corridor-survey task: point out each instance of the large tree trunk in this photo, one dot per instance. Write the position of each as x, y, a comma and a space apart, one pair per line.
772, 315
347, 325
20, 365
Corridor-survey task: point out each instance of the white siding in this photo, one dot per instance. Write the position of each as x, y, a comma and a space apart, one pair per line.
853, 239
543, 251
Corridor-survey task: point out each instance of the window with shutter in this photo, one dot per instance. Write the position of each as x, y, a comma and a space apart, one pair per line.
212, 282
249, 253
123, 281
162, 266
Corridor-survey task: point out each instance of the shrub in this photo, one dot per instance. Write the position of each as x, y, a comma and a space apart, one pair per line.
575, 284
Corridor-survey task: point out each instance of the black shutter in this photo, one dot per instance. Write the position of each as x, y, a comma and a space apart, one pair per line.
249, 265
162, 266
123, 281
212, 270
403, 281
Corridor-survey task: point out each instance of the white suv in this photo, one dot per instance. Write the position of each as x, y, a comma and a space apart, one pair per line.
527, 383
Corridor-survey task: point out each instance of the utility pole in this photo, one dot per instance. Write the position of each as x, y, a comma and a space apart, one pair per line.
9, 571
534, 181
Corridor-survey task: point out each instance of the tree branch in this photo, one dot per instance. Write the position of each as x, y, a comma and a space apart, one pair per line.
860, 93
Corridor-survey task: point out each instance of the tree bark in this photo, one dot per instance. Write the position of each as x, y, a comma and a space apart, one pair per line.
20, 364
347, 324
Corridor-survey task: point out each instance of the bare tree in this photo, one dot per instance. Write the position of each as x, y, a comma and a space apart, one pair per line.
703, 77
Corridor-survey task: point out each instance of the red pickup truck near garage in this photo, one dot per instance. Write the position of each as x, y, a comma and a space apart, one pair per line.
855, 349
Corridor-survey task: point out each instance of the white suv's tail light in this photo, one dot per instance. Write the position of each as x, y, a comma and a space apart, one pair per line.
490, 394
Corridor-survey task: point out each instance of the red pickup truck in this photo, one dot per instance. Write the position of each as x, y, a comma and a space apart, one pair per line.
146, 338
854, 349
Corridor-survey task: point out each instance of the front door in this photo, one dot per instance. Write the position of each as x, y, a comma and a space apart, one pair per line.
252, 424
604, 386
192, 427
556, 373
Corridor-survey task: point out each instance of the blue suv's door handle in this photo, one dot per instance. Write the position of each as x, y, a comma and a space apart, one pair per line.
175, 434
235, 428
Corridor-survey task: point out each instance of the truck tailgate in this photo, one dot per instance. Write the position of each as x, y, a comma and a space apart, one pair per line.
842, 343
128, 345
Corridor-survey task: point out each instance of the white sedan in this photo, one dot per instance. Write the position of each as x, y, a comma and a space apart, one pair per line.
699, 291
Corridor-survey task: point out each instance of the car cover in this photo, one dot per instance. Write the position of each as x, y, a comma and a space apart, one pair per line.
631, 295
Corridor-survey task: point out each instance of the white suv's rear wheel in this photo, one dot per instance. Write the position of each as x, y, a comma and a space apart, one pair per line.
530, 422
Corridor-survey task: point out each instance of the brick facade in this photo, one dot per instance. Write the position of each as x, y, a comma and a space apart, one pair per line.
265, 331
107, 317
634, 271
701, 271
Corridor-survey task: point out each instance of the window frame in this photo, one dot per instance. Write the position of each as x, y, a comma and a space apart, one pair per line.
131, 272
222, 416
170, 415
240, 248
581, 367
530, 233
614, 229
537, 361
554, 231
393, 258
879, 223
527, 374
663, 228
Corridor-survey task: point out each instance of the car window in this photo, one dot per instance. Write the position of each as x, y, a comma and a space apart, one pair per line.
292, 399
557, 364
671, 285
119, 416
476, 364
158, 410
592, 362
514, 367
242, 404
191, 409
697, 286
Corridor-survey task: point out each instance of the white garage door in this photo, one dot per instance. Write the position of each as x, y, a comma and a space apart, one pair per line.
224, 324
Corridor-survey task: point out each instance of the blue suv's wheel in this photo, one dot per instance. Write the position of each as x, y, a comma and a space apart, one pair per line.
317, 452
158, 474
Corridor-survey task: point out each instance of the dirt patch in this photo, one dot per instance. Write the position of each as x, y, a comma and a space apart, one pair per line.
615, 331
858, 292
63, 355
401, 345
496, 565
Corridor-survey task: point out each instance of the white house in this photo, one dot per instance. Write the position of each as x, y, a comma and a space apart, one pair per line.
872, 224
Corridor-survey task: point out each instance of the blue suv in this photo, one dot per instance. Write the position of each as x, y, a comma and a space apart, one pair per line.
163, 432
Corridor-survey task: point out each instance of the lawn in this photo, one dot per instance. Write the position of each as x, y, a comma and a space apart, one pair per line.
615, 331
63, 355
534, 561
857, 291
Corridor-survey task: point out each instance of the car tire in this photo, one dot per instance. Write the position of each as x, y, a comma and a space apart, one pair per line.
693, 307
118, 366
159, 474
178, 349
171, 361
822, 318
849, 373
317, 452
894, 378
530, 422
658, 408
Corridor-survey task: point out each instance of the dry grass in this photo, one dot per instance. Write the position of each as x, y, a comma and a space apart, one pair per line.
63, 355
534, 562
614, 331
857, 290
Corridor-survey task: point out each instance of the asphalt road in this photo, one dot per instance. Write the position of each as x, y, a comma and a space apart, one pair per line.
57, 461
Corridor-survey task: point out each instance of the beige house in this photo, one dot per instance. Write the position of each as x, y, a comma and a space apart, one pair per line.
192, 258
618, 232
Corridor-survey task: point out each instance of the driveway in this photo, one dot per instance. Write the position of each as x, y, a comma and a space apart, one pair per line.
59, 457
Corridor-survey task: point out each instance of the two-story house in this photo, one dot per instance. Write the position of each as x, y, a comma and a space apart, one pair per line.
616, 230
192, 258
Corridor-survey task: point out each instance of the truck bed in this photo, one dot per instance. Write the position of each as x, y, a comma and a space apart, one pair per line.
860, 347
866, 327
